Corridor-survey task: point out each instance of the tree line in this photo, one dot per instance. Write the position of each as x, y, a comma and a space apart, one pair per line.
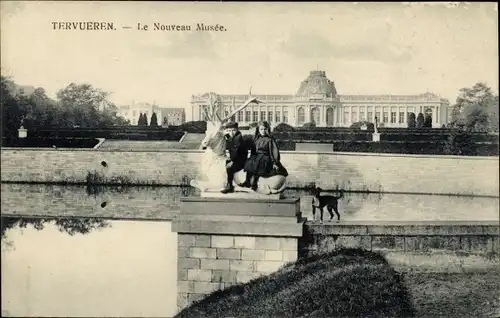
77, 105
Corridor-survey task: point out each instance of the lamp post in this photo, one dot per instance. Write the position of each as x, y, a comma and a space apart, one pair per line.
22, 132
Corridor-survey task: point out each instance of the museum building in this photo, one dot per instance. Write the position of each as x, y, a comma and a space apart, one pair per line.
317, 101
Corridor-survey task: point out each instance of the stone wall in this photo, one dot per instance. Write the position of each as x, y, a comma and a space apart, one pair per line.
444, 246
354, 172
211, 262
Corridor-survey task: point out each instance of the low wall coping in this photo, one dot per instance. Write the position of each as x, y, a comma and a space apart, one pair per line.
240, 216
240, 200
407, 229
237, 227
410, 223
366, 154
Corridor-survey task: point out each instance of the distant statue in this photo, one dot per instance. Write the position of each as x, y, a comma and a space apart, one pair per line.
376, 125
22, 123
213, 174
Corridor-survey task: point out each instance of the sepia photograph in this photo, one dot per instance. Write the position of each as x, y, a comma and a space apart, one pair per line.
249, 159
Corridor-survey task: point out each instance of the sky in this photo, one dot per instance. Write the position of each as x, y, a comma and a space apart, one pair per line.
377, 48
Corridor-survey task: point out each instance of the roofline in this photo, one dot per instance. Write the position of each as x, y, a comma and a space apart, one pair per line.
337, 95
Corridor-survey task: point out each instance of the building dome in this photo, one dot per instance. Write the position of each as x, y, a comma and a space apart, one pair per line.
317, 83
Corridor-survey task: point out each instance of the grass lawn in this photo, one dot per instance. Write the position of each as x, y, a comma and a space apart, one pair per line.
344, 283
354, 283
455, 295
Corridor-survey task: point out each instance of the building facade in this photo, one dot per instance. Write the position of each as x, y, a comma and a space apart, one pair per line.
173, 116
317, 101
164, 115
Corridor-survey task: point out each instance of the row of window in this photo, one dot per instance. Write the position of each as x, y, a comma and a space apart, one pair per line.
349, 117
256, 116
401, 119
136, 113
385, 118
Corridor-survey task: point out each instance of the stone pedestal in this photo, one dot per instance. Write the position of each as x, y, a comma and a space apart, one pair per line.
376, 137
241, 193
229, 240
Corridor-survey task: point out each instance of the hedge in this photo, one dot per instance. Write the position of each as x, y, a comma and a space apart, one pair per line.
50, 142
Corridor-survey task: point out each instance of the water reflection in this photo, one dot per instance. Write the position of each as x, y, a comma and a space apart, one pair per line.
163, 203
87, 268
71, 226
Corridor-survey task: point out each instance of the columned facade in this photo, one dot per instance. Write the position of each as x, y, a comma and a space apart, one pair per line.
317, 101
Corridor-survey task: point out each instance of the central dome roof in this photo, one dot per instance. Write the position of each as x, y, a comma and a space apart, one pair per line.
317, 83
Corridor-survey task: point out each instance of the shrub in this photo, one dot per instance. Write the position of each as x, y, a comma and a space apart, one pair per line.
344, 283
309, 125
428, 121
282, 127
459, 142
411, 120
420, 120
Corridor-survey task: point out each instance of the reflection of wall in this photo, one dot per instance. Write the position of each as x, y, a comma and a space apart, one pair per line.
126, 203
164, 203
382, 207
359, 172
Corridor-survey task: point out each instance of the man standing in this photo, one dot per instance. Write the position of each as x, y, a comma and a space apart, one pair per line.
238, 153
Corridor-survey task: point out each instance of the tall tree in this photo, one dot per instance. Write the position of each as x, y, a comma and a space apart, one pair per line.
427, 121
420, 120
154, 120
411, 120
476, 109
45, 112
11, 110
84, 105
140, 120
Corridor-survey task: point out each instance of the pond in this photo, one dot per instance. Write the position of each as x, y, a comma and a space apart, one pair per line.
163, 203
88, 267
109, 251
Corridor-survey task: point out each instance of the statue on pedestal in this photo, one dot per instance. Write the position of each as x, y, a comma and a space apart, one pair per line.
213, 175
375, 134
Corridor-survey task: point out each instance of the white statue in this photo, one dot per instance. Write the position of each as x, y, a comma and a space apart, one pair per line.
213, 176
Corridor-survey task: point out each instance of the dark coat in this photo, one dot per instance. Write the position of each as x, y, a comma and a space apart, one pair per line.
238, 150
265, 156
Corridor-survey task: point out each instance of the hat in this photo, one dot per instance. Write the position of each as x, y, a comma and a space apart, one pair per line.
231, 125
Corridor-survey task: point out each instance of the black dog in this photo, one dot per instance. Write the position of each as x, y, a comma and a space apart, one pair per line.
329, 201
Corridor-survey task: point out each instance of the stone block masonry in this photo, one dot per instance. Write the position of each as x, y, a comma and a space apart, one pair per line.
349, 171
211, 262
230, 240
447, 246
